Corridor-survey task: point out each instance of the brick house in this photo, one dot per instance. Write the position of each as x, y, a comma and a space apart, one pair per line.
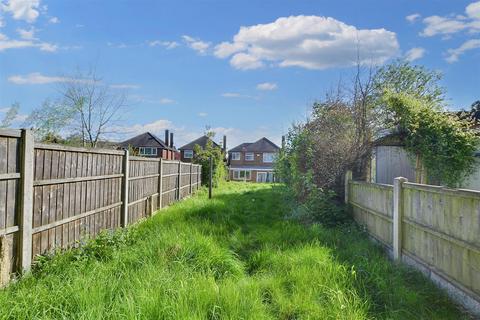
253, 161
149, 145
187, 151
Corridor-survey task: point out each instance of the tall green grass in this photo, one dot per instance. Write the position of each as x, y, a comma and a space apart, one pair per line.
232, 257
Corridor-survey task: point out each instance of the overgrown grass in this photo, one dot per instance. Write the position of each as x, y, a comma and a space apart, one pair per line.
233, 257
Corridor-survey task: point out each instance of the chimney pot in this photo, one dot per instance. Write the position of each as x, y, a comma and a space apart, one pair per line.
166, 138
171, 139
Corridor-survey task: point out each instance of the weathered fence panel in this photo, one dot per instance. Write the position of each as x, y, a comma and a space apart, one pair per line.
56, 197
9, 198
437, 231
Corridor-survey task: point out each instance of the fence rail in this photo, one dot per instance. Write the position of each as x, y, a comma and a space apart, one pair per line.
53, 196
432, 228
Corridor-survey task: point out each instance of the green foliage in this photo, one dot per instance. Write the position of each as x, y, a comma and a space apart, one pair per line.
232, 257
444, 143
314, 159
202, 157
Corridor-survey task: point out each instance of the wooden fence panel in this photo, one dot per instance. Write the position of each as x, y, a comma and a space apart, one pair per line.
9, 197
372, 206
170, 182
442, 229
143, 187
76, 194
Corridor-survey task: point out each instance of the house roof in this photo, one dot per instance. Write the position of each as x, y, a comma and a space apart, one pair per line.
202, 142
146, 139
262, 145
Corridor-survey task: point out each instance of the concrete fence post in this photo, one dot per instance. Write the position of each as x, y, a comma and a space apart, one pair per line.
26, 201
348, 178
397, 217
126, 168
160, 184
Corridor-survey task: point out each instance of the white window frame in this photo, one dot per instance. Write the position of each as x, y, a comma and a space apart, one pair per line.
142, 151
237, 175
188, 154
249, 156
235, 155
265, 160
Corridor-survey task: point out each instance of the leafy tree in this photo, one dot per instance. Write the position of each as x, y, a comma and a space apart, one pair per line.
10, 115
202, 157
417, 81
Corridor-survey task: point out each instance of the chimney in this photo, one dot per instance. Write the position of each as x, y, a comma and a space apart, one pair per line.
166, 138
283, 142
224, 143
171, 140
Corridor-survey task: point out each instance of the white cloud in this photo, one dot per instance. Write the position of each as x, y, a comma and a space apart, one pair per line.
311, 42
27, 34
414, 54
451, 24
6, 44
38, 78
454, 54
245, 61
196, 44
266, 86
202, 114
144, 99
231, 95
124, 86
54, 20
413, 17
27, 10
166, 44
166, 101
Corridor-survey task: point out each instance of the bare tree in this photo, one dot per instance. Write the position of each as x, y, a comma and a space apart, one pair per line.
10, 115
96, 107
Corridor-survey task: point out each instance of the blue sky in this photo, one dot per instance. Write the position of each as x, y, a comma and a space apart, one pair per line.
188, 64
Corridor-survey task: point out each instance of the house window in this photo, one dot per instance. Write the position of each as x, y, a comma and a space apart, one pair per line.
235, 155
188, 154
268, 157
147, 151
249, 156
242, 174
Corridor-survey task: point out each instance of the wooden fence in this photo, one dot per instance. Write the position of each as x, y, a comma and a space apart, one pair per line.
432, 228
53, 196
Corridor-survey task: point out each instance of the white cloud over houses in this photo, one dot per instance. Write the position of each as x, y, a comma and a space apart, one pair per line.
38, 78
196, 44
124, 86
27, 34
267, 86
311, 42
414, 54
453, 23
413, 17
165, 44
54, 20
27, 10
454, 54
